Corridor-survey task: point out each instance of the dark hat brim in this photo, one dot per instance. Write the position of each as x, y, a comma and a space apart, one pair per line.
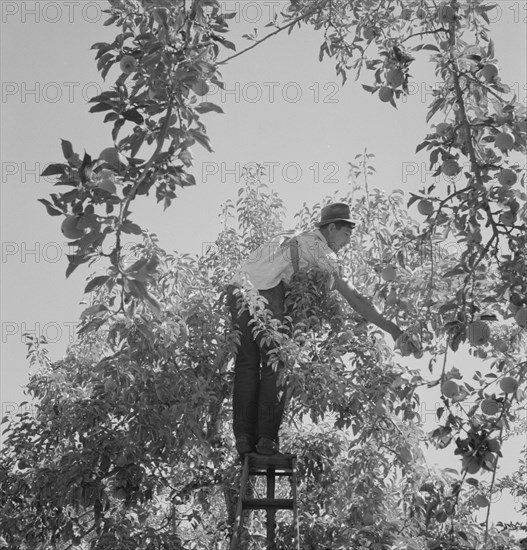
332, 220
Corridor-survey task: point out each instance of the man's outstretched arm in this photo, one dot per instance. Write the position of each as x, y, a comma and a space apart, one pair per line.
365, 308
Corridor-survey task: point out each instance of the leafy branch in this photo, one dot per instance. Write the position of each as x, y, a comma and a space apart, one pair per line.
291, 24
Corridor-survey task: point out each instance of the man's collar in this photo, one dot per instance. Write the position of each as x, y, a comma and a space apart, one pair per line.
320, 235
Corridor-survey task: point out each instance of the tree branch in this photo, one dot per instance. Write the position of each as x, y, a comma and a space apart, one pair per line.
160, 141
492, 483
435, 31
470, 146
475, 166
278, 30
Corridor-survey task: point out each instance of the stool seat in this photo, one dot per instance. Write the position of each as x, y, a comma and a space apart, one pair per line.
282, 464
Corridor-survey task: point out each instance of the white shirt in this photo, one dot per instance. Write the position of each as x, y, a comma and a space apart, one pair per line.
272, 262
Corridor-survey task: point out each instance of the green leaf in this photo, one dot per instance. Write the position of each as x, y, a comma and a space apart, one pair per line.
67, 149
421, 146
116, 127
85, 170
323, 49
431, 47
72, 182
371, 89
105, 97
130, 227
153, 304
202, 139
436, 105
111, 117
187, 179
106, 69
111, 20
456, 340
74, 262
98, 45
100, 107
489, 317
229, 45
50, 209
136, 140
137, 288
434, 156
88, 221
136, 266
161, 17
104, 48
54, 170
93, 310
145, 331
458, 270
134, 115
106, 59
400, 259
206, 107
412, 199
96, 282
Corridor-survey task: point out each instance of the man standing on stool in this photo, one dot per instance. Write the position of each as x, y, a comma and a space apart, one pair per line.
258, 403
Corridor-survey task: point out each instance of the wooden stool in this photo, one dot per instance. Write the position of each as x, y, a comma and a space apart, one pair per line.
269, 466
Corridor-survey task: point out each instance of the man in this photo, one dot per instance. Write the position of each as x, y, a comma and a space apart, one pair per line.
258, 402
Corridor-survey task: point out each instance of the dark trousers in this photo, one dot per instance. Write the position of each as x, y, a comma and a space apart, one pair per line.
258, 401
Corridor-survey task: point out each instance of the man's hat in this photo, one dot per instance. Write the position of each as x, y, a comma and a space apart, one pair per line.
336, 212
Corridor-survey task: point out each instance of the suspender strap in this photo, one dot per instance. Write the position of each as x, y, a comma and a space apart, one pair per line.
292, 244
294, 254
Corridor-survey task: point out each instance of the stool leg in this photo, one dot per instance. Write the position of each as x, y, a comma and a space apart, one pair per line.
295, 505
239, 508
271, 513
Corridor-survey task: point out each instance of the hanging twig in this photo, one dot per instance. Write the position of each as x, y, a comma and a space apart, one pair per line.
278, 30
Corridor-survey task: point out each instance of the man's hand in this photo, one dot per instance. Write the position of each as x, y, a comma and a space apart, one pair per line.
366, 309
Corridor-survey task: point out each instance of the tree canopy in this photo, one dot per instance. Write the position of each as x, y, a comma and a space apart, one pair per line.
130, 445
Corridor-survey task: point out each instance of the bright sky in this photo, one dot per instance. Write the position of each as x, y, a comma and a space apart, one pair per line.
283, 108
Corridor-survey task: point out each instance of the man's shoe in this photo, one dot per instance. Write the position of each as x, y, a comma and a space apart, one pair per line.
267, 446
243, 445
